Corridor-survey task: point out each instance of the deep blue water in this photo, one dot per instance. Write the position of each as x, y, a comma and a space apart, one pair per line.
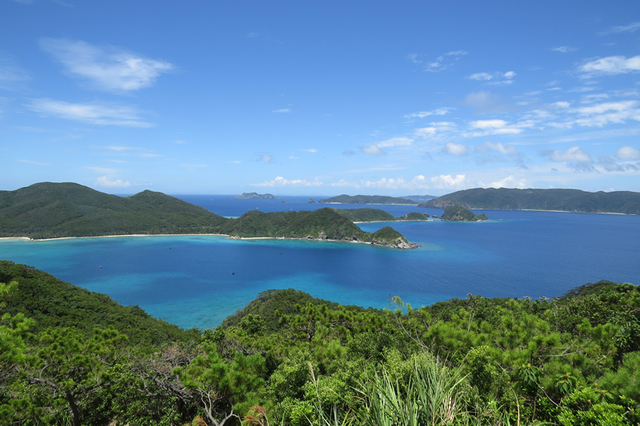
197, 281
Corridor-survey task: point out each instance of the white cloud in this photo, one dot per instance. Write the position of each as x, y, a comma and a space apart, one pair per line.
281, 111
485, 102
574, 153
561, 104
455, 149
101, 114
280, 181
495, 127
611, 65
373, 149
628, 153
425, 132
608, 112
448, 181
312, 150
106, 182
422, 114
481, 76
508, 182
111, 69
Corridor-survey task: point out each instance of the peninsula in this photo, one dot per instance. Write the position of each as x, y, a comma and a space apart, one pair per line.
377, 215
367, 199
567, 200
57, 210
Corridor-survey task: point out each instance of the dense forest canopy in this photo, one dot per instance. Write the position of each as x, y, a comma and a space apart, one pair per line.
69, 356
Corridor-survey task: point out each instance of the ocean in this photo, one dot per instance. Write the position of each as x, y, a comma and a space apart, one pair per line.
197, 281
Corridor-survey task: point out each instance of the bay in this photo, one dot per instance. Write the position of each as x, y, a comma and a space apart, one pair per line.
197, 281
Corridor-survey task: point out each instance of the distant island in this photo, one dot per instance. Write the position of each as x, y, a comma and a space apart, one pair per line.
254, 195
57, 210
420, 197
461, 214
366, 199
377, 215
567, 200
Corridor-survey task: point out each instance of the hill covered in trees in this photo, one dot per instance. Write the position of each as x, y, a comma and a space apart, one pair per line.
377, 215
53, 210
569, 200
367, 199
290, 359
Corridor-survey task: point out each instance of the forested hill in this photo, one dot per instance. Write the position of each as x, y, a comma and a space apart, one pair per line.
54, 210
570, 200
69, 356
46, 210
367, 199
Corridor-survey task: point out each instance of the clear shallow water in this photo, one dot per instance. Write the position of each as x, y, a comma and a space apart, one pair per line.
197, 281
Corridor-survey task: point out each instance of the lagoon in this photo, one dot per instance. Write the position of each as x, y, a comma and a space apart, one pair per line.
197, 281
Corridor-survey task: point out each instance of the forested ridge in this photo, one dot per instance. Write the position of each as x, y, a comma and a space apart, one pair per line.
570, 200
69, 356
54, 210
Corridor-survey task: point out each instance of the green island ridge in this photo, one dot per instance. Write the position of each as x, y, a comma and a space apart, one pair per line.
461, 214
366, 199
74, 357
254, 195
377, 215
58, 210
567, 200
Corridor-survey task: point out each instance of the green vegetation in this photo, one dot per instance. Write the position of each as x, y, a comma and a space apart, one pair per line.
376, 215
461, 214
367, 199
570, 200
50, 210
289, 359
53, 210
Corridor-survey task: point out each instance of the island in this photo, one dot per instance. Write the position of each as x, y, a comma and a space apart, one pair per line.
461, 214
377, 215
366, 199
566, 200
254, 195
57, 210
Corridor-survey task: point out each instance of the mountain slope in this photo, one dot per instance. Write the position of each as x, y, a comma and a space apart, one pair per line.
571, 200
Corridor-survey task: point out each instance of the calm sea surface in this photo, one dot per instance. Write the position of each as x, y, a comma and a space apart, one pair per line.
197, 281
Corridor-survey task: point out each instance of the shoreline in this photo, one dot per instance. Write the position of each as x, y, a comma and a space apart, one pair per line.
230, 237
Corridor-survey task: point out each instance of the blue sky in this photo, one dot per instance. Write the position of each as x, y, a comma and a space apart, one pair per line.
320, 97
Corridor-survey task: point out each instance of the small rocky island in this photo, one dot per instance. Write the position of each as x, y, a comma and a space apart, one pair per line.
461, 214
254, 195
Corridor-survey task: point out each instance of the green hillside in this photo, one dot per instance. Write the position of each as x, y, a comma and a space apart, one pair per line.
69, 356
570, 200
47, 210
376, 215
53, 210
367, 199
461, 214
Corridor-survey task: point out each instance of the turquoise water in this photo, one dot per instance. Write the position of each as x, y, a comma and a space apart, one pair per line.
197, 281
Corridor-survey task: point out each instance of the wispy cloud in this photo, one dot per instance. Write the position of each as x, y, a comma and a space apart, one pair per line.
444, 62
491, 127
266, 157
485, 102
564, 49
280, 181
12, 76
281, 111
423, 114
631, 28
457, 149
94, 113
494, 78
311, 150
574, 157
110, 69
